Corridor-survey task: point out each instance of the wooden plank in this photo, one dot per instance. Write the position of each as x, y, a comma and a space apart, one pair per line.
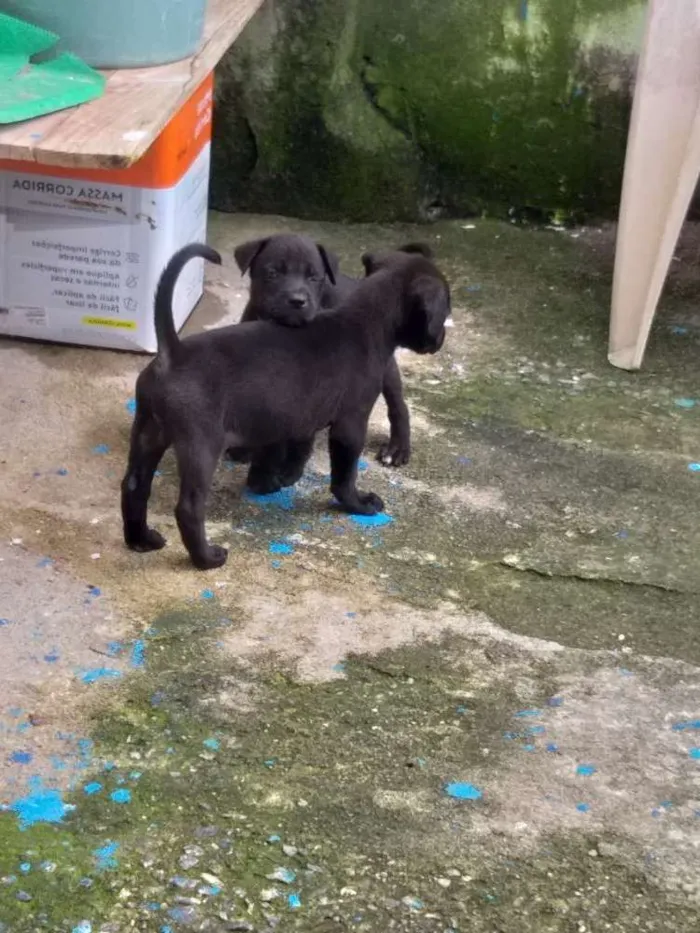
116, 130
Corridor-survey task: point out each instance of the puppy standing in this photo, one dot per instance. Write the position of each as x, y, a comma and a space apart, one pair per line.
258, 385
292, 279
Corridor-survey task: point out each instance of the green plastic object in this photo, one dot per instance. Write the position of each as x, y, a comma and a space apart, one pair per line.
118, 33
29, 89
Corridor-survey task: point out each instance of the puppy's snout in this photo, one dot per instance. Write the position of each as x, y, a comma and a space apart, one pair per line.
298, 300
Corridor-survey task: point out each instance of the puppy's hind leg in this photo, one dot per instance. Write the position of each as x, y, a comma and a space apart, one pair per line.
197, 457
345, 443
148, 445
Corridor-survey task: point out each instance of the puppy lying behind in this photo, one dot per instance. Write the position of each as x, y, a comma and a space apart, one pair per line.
292, 279
258, 386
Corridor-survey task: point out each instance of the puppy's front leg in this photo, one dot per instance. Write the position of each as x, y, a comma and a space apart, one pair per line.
197, 457
345, 443
145, 453
397, 451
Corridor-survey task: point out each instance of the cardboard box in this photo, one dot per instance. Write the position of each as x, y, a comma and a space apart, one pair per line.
81, 251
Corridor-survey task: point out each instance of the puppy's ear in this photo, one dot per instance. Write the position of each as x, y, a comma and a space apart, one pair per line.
429, 298
421, 248
330, 262
246, 253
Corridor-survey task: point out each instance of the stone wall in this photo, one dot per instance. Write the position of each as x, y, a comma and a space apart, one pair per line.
408, 109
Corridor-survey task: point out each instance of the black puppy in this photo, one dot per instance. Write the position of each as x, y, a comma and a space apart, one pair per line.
292, 279
258, 386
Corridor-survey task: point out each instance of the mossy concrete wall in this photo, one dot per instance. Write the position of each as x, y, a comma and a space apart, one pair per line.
357, 109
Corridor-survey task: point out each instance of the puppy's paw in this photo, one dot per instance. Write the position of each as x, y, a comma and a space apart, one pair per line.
212, 558
152, 540
238, 455
369, 503
263, 484
394, 453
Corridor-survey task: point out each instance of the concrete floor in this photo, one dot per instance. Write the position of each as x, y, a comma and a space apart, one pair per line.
481, 716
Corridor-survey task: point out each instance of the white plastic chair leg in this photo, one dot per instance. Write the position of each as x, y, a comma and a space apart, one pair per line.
661, 171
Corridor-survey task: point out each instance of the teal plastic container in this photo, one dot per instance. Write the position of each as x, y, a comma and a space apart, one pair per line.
118, 33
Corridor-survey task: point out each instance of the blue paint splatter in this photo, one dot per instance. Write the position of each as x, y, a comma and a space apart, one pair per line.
362, 466
511, 736
83, 927
283, 499
689, 725
276, 564
25, 868
280, 547
350, 615
529, 748
135, 775
339, 668
20, 758
414, 903
524, 10
45, 562
41, 805
130, 406
694, 467
552, 747
294, 901
462, 791
555, 701
101, 449
274, 838
106, 856
270, 763
462, 710
207, 594
138, 653
210, 890
528, 713
372, 521
622, 534
61, 471
94, 591
464, 461
583, 807
94, 787
114, 649
121, 795
694, 753
586, 770
536, 730
686, 403
4, 622
52, 657
212, 743
166, 928
95, 674
473, 288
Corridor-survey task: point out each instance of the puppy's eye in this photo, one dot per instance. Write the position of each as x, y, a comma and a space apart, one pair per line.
314, 277
270, 273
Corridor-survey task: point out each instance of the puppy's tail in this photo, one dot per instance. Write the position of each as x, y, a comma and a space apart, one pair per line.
166, 335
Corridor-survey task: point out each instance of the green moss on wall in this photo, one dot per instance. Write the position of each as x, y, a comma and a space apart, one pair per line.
361, 110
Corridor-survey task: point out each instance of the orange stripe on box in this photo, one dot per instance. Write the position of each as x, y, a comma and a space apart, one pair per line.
166, 161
